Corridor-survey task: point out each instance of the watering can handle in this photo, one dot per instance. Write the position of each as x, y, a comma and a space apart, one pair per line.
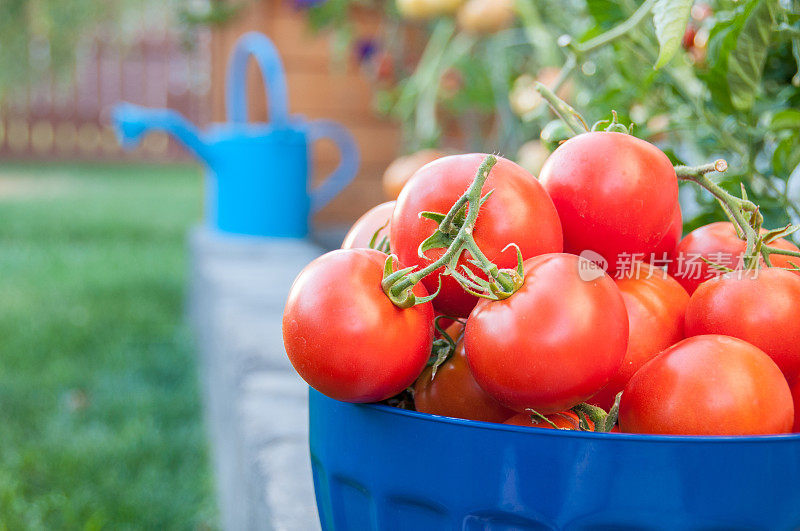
348, 167
265, 54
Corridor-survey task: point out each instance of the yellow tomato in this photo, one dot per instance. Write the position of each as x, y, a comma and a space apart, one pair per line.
532, 155
400, 171
486, 16
423, 9
523, 96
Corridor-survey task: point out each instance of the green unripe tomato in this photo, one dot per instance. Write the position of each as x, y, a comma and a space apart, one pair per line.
554, 133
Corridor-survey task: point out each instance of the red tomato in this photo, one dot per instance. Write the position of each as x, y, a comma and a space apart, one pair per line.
688, 36
519, 211
656, 306
555, 342
374, 220
718, 243
758, 307
664, 253
565, 420
708, 385
345, 337
615, 194
454, 393
796, 396
385, 68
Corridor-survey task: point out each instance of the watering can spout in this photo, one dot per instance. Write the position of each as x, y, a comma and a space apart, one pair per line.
132, 122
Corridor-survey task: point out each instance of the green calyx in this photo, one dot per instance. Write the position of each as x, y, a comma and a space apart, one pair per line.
603, 422
454, 235
573, 120
404, 296
444, 347
538, 418
612, 125
381, 245
502, 284
600, 420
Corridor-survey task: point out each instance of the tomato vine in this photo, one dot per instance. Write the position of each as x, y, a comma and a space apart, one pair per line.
455, 235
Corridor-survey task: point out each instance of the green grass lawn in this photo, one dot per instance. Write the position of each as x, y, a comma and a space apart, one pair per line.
100, 415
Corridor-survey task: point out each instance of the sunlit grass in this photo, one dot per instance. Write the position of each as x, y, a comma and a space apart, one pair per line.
100, 418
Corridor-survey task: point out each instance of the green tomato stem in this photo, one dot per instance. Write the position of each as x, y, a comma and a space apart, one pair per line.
463, 241
571, 118
473, 197
737, 208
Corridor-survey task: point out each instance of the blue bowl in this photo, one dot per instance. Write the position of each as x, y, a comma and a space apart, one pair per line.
382, 468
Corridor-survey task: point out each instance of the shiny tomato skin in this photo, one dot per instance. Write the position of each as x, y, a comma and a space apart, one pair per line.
518, 211
796, 396
708, 385
554, 343
455, 393
615, 194
668, 246
757, 307
656, 306
345, 337
375, 219
565, 420
719, 243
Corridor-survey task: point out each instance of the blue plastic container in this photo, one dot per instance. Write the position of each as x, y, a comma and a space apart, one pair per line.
382, 468
257, 175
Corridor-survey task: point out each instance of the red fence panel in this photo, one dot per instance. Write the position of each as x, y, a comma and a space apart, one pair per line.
70, 120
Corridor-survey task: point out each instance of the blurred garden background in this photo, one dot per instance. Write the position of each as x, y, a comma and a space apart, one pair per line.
102, 409
98, 393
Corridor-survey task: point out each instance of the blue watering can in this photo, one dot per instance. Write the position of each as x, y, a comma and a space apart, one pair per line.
257, 178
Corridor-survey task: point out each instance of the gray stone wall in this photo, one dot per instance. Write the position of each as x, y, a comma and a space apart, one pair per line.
256, 405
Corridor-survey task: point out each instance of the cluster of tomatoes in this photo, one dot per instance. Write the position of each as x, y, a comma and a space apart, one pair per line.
474, 16
606, 303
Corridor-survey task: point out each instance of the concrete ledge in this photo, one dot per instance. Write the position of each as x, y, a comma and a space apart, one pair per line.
256, 406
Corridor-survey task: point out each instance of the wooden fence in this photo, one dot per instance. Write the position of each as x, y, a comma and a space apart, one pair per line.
319, 87
69, 119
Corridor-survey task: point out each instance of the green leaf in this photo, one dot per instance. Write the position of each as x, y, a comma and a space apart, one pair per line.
435, 216
746, 62
383, 243
429, 298
775, 234
440, 352
786, 156
613, 414
388, 266
486, 197
606, 13
538, 418
437, 240
721, 43
796, 55
670, 18
786, 119
596, 414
